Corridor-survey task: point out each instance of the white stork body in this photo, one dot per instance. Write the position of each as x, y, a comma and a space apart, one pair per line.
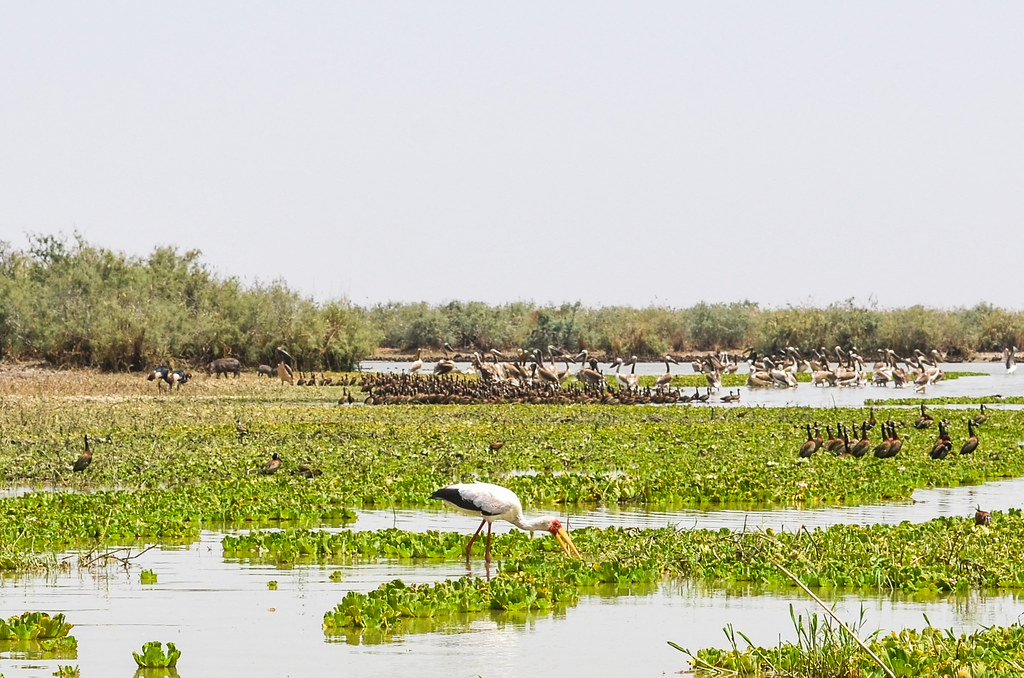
491, 502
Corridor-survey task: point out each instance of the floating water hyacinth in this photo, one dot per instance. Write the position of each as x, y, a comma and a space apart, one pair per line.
34, 626
153, 657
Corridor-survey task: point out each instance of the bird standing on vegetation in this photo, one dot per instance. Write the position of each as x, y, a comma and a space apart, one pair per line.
925, 420
894, 438
971, 443
982, 517
241, 429
270, 468
943, 444
981, 416
809, 447
861, 447
494, 502
85, 458
307, 471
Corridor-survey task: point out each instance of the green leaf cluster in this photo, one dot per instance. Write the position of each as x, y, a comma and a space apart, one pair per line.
153, 657
34, 626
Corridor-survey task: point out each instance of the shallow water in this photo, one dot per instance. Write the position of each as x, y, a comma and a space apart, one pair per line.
222, 616
226, 622
925, 505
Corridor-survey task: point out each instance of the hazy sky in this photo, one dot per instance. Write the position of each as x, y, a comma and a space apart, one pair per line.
621, 153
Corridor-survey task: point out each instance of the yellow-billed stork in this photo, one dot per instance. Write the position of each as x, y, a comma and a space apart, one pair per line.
493, 502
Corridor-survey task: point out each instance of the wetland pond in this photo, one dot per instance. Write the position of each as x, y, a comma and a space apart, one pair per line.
227, 621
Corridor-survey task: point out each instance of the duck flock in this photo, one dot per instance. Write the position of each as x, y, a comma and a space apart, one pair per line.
840, 443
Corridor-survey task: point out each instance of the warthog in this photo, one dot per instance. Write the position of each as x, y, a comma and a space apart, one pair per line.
265, 371
224, 366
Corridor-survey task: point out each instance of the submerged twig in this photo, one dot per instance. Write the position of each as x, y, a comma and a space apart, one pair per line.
112, 555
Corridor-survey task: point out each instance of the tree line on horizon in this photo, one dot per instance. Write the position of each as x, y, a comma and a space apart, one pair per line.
71, 304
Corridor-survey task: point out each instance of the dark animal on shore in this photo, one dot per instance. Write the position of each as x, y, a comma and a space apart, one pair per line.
224, 366
265, 371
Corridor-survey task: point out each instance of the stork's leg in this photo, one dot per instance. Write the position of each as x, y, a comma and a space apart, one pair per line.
487, 551
469, 546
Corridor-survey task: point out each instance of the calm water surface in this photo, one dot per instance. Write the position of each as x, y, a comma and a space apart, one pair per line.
226, 621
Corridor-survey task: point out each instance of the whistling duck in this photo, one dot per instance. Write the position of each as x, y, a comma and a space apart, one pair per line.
971, 443
925, 420
272, 465
809, 447
860, 448
981, 417
85, 458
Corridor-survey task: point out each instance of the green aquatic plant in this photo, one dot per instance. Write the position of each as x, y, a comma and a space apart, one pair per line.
147, 577
67, 672
552, 456
34, 626
153, 657
822, 650
388, 605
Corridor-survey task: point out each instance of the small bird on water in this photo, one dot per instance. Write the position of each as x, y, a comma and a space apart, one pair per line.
85, 458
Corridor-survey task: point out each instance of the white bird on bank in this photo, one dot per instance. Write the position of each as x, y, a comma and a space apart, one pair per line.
493, 502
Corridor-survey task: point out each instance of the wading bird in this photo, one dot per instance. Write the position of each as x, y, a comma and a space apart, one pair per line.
494, 502
85, 458
241, 429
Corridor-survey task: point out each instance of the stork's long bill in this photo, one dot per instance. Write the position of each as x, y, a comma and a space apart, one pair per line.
564, 540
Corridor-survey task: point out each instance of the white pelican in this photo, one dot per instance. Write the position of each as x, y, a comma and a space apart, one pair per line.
1010, 355
417, 364
666, 379
494, 502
